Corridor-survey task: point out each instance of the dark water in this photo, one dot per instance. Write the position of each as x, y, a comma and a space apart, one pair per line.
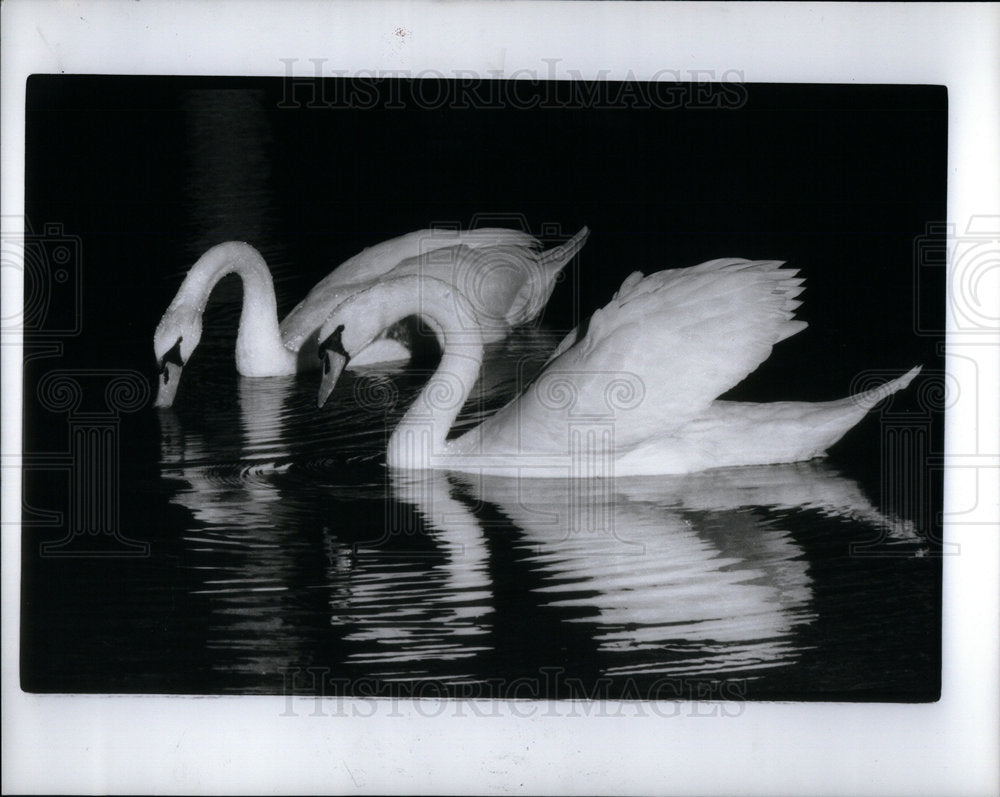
263, 547
289, 557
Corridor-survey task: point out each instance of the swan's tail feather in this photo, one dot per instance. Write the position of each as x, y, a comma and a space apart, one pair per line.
790, 328
869, 398
829, 421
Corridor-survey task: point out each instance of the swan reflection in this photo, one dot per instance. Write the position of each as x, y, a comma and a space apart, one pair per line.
413, 613
303, 550
243, 552
674, 575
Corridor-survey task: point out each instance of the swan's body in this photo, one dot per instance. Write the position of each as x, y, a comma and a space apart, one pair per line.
502, 272
636, 394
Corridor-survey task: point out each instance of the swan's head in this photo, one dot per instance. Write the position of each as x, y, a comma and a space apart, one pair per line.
358, 320
176, 337
350, 328
340, 338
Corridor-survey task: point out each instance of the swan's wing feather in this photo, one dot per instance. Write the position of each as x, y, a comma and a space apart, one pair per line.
690, 334
380, 260
572, 338
662, 349
490, 278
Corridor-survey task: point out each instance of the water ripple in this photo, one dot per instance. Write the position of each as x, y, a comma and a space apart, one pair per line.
304, 548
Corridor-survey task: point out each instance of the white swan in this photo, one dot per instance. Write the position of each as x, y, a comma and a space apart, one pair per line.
502, 272
632, 393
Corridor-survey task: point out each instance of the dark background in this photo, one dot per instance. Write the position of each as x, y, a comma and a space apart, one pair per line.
840, 181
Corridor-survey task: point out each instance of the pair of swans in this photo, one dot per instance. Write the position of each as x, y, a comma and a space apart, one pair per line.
632, 392
503, 275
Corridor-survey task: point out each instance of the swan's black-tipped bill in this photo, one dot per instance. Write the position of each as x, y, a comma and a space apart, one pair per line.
170, 365
172, 356
333, 366
334, 344
170, 377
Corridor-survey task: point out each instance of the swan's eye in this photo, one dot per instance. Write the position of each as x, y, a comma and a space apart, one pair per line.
173, 356
333, 343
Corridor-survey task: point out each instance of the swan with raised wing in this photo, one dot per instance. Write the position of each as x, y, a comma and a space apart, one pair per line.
632, 392
503, 273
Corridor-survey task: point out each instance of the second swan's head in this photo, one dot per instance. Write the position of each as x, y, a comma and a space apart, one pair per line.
176, 337
358, 320
352, 325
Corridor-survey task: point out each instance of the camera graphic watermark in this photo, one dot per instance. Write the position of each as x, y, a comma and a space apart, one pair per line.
969, 265
49, 265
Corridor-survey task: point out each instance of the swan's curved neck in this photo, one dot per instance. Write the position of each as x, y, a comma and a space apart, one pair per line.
259, 351
422, 433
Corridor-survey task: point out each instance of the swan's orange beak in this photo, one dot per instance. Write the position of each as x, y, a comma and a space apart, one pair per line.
170, 377
333, 365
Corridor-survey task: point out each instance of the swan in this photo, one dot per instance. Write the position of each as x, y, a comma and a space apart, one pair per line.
632, 392
507, 279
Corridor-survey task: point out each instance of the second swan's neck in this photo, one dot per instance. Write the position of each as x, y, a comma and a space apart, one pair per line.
422, 433
259, 351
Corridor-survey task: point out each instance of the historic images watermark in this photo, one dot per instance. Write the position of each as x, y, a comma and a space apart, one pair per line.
317, 692
546, 87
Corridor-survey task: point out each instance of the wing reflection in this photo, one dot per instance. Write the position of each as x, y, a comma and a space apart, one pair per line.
682, 575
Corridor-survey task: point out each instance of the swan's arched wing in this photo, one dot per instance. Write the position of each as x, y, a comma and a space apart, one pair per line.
490, 278
384, 257
657, 355
379, 261
506, 284
689, 334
